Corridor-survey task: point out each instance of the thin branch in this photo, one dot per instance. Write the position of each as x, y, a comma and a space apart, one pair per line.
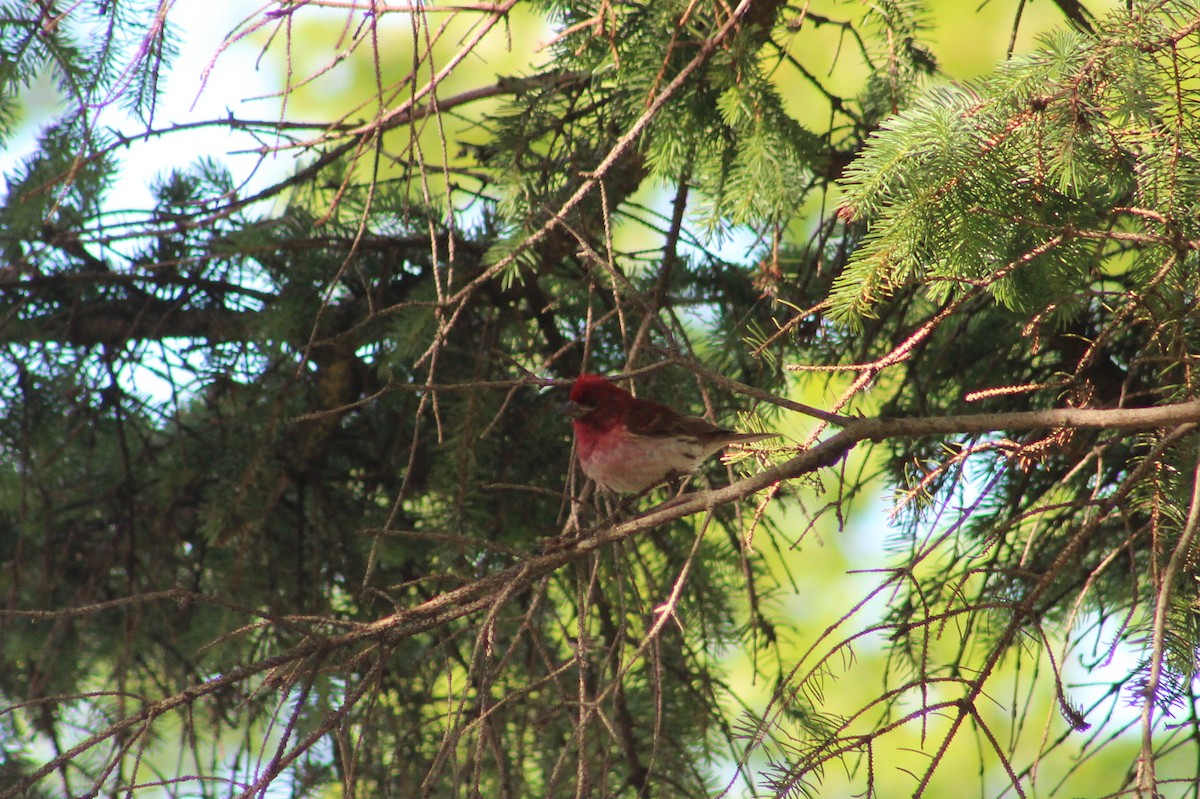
1146, 782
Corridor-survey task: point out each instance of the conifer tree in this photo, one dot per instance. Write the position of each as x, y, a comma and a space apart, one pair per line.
286, 503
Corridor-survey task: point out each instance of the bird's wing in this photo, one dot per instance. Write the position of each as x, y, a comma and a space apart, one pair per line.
653, 419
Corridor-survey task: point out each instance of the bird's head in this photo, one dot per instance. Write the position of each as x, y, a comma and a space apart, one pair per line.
597, 402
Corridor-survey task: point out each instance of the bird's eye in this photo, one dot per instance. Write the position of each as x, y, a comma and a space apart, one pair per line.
576, 409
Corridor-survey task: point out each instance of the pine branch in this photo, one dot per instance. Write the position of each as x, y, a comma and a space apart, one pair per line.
119, 321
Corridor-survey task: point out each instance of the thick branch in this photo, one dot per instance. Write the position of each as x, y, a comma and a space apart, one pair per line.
832, 449
119, 321
1070, 418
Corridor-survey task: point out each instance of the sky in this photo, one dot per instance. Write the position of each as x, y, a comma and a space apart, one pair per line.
199, 26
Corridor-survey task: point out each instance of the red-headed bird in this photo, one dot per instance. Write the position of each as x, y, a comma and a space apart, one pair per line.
628, 444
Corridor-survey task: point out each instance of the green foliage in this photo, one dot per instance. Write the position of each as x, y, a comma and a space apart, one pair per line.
1041, 212
997, 185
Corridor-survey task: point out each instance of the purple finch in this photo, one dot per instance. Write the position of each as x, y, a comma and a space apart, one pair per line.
628, 444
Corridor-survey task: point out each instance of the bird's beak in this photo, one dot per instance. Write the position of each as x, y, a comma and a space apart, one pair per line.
575, 410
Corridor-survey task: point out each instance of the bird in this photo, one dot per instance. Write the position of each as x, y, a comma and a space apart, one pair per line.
629, 445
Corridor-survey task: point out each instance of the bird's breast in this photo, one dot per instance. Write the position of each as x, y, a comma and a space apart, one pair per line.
629, 463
